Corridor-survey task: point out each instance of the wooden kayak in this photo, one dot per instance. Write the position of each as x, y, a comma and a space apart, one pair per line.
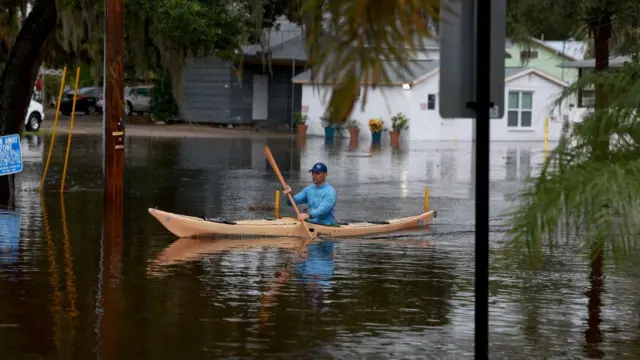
184, 226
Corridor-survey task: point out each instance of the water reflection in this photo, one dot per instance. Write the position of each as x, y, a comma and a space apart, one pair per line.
518, 163
316, 271
593, 334
68, 292
9, 237
187, 250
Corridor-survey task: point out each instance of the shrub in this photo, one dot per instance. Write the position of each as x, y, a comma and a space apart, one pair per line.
399, 122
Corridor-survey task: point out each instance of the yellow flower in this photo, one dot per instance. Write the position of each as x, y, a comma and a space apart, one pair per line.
375, 124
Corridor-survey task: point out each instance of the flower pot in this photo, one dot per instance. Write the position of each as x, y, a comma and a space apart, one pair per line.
354, 132
376, 136
328, 135
302, 130
395, 138
328, 132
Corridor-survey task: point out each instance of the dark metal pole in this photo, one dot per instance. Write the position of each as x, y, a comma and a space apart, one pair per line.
483, 87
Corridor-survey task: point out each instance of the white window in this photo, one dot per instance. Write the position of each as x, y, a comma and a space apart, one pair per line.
520, 110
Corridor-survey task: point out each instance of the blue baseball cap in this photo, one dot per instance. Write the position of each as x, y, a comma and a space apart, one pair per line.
319, 167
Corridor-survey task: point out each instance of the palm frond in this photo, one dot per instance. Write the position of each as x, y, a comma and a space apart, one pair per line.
350, 42
578, 196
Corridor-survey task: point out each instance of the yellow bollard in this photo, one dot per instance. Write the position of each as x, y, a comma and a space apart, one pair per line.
277, 204
53, 131
73, 115
546, 137
426, 199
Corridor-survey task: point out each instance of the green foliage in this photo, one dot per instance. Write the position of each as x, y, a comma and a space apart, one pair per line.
163, 104
399, 122
325, 121
573, 18
301, 118
162, 34
579, 196
353, 123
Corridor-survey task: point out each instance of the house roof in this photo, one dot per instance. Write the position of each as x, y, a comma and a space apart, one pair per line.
553, 49
294, 48
417, 68
572, 55
282, 33
573, 48
614, 62
287, 42
424, 69
512, 73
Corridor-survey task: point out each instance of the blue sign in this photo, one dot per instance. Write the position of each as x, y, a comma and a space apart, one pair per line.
10, 155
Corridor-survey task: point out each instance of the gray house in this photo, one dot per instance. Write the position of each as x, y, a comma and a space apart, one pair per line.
213, 93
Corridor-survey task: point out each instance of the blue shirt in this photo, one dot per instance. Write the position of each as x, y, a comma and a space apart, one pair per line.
321, 200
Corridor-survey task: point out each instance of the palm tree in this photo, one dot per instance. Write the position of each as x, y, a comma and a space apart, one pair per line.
581, 195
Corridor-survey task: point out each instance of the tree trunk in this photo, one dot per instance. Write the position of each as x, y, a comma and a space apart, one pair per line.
599, 24
19, 75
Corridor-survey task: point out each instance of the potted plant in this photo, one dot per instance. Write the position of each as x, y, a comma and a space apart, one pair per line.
301, 119
353, 126
329, 129
399, 122
375, 125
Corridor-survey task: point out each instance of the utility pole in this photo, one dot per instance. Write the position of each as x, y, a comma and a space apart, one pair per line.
113, 120
113, 169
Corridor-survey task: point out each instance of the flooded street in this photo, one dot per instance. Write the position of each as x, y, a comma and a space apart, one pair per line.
411, 297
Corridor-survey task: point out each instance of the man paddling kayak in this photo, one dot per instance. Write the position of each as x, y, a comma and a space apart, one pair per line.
320, 197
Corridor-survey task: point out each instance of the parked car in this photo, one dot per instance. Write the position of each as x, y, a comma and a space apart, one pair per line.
34, 117
86, 101
137, 99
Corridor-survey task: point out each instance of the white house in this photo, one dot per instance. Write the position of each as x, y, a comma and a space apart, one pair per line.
529, 97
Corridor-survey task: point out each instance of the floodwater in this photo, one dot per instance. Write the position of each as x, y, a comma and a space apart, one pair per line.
410, 297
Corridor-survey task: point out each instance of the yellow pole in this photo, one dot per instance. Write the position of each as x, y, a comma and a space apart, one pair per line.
546, 137
73, 115
277, 204
426, 199
53, 132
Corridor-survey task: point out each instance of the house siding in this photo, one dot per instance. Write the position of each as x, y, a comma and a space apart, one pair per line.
427, 124
281, 108
547, 61
206, 91
241, 96
383, 102
214, 94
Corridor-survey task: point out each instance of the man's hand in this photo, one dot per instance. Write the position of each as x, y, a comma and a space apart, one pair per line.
303, 216
286, 190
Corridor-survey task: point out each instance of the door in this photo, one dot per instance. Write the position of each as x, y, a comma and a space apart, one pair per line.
260, 97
